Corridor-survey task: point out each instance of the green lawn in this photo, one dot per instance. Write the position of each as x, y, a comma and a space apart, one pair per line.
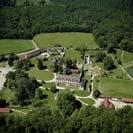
48, 85
15, 46
74, 55
127, 57
116, 87
73, 39
81, 93
89, 101
40, 74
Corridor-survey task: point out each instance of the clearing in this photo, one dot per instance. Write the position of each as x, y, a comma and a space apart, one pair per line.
72, 39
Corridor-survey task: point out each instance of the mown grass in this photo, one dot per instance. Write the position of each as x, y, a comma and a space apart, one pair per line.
40, 74
48, 40
48, 85
116, 87
81, 93
89, 101
15, 46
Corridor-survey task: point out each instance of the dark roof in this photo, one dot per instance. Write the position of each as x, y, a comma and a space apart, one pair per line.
83, 83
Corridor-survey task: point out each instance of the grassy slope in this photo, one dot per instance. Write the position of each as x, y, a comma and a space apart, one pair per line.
15, 46
65, 39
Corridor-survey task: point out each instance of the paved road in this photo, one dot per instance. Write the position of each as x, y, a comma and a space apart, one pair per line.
91, 94
3, 72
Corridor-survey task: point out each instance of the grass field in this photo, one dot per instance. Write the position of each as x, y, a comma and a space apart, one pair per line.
73, 39
48, 85
116, 87
89, 101
15, 46
40, 74
81, 93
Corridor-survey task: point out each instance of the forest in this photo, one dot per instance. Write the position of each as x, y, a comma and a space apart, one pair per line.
86, 120
109, 20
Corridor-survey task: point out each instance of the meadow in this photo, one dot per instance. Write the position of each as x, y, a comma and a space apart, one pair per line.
72, 39
15, 46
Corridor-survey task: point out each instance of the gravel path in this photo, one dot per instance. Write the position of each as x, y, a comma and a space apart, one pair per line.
35, 48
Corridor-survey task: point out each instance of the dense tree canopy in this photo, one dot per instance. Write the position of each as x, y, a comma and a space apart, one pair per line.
110, 20
87, 119
67, 103
23, 86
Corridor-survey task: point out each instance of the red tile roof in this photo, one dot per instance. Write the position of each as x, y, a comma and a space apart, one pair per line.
127, 100
5, 110
108, 104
